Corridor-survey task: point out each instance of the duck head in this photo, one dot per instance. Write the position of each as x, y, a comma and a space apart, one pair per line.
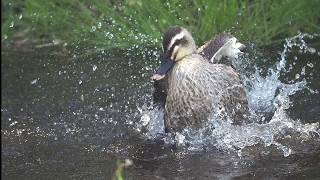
177, 43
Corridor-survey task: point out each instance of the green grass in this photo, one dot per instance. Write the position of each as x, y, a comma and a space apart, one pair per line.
107, 24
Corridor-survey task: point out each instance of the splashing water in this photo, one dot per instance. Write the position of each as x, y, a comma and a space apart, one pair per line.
267, 96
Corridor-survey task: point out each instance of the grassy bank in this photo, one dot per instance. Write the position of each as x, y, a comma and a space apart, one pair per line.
139, 23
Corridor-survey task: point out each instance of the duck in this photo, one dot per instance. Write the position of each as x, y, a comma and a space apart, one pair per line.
196, 85
220, 49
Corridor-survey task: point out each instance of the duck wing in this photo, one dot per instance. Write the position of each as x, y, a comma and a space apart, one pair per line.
222, 45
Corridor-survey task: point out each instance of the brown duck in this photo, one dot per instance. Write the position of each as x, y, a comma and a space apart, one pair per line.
194, 88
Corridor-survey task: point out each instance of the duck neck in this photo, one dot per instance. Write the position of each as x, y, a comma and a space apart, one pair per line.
183, 54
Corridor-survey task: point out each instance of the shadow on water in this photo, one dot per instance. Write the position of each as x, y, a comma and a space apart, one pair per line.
72, 117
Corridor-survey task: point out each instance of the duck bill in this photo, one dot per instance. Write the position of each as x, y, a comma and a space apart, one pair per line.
165, 67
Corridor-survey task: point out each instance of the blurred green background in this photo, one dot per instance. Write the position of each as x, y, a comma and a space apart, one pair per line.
107, 24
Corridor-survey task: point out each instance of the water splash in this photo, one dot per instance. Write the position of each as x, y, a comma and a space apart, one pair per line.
267, 96
267, 92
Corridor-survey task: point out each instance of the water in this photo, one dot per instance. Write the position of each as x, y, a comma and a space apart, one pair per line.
74, 117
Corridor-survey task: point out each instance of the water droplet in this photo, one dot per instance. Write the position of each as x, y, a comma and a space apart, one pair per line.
34, 81
94, 68
303, 71
128, 162
93, 29
312, 50
99, 25
12, 24
13, 123
310, 65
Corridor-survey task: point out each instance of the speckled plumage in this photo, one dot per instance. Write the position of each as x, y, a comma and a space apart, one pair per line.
197, 88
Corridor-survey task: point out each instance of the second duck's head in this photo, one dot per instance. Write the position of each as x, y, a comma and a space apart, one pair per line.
177, 43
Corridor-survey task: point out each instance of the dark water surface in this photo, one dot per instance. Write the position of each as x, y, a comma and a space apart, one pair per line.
74, 117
